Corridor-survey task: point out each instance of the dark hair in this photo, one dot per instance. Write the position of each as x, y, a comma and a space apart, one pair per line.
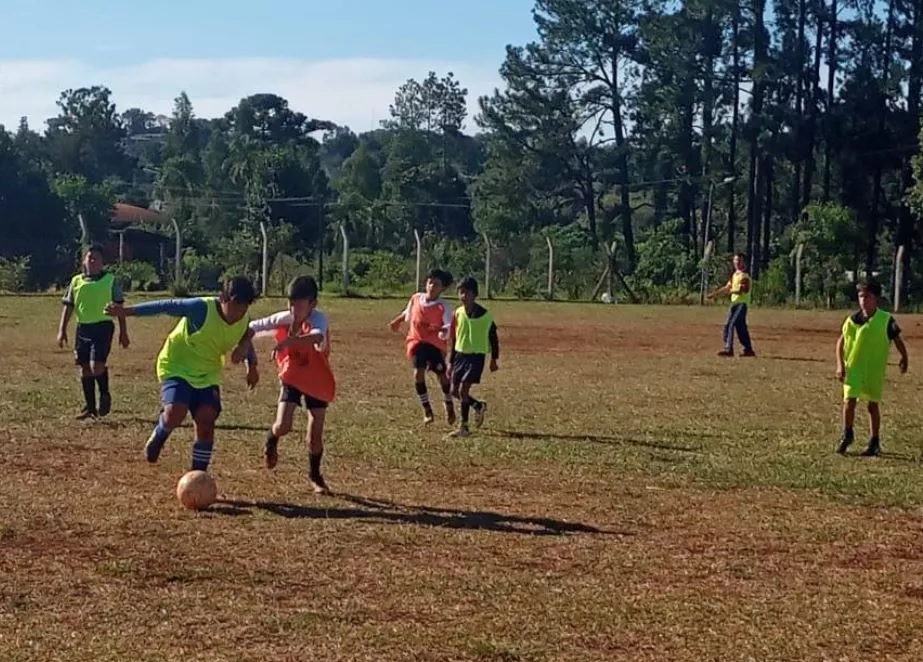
239, 289
302, 288
442, 276
742, 256
468, 284
871, 286
95, 247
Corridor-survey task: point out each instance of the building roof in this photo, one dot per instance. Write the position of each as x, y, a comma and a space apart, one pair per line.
125, 215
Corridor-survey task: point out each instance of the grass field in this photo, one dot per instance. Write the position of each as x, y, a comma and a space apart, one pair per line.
631, 496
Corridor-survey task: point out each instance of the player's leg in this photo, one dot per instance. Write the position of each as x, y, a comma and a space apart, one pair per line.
317, 416
175, 396
439, 369
82, 348
289, 400
743, 331
102, 346
849, 419
420, 361
205, 408
729, 333
463, 390
874, 447
474, 373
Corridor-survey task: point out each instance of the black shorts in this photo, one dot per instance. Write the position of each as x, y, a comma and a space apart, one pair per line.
93, 342
428, 357
292, 395
467, 369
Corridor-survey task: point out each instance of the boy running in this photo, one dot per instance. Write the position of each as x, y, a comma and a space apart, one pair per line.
86, 298
190, 363
301, 352
739, 289
861, 360
429, 318
473, 333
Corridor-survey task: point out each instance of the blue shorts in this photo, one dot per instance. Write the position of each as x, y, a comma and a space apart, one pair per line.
176, 391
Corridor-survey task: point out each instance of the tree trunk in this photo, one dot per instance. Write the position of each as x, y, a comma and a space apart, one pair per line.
760, 57
831, 82
799, 113
906, 221
735, 118
768, 175
622, 165
811, 128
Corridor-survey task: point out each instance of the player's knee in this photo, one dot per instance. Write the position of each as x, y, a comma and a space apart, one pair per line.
173, 416
97, 369
419, 375
281, 427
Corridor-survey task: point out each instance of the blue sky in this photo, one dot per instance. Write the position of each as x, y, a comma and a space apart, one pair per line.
340, 60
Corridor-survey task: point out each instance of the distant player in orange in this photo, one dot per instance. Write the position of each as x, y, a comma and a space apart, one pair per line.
430, 320
302, 354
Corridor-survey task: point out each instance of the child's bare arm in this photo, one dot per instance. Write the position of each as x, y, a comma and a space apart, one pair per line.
66, 312
840, 363
902, 348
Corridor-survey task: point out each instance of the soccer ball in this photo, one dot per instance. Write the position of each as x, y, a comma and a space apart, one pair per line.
196, 490
606, 298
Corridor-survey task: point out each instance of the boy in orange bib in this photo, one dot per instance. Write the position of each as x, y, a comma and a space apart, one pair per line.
429, 318
302, 355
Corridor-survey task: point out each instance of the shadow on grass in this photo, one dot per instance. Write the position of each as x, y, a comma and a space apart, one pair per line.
595, 439
152, 421
797, 359
389, 511
887, 456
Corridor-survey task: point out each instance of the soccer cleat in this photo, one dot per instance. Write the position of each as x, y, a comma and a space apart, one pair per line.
319, 484
749, 354
873, 449
479, 413
152, 448
460, 432
105, 404
271, 452
428, 417
450, 415
726, 353
86, 413
845, 442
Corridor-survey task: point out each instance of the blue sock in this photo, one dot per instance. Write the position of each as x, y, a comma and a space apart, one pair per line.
158, 438
201, 455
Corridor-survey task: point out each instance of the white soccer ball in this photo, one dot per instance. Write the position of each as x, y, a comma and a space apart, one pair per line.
606, 298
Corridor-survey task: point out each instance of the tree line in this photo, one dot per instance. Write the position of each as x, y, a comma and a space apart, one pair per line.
655, 127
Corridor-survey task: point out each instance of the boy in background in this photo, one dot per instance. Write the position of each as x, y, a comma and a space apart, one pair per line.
86, 299
473, 334
302, 355
429, 319
191, 362
861, 361
739, 287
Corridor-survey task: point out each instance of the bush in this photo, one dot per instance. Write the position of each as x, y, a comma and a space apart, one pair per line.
773, 285
137, 276
14, 273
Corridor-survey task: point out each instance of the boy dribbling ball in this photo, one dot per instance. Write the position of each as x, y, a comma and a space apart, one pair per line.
191, 362
302, 354
86, 298
473, 334
861, 361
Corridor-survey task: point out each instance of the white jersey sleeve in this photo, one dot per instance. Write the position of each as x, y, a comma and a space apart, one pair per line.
266, 326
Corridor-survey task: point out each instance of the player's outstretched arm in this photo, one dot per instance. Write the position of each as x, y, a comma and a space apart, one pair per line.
194, 308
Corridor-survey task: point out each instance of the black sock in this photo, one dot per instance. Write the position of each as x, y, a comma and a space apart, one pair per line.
271, 438
89, 392
103, 381
447, 394
465, 410
314, 461
847, 433
423, 395
475, 404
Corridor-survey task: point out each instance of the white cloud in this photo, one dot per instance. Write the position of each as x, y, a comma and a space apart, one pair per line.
354, 92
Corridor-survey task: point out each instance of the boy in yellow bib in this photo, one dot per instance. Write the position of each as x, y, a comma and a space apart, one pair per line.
472, 335
861, 360
191, 362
